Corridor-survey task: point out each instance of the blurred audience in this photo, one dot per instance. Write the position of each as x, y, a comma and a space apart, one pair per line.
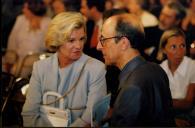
180, 70
108, 4
58, 6
84, 8
171, 16
49, 12
190, 17
27, 35
65, 5
137, 7
192, 50
72, 5
94, 13
9, 11
188, 25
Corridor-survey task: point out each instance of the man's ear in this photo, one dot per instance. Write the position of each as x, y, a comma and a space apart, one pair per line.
125, 44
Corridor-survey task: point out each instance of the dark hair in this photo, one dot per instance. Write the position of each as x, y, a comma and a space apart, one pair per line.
37, 7
135, 36
178, 7
99, 4
112, 12
72, 5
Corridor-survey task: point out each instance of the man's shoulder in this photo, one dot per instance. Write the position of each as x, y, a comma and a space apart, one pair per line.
150, 70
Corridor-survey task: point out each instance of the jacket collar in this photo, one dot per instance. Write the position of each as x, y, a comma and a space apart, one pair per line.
130, 67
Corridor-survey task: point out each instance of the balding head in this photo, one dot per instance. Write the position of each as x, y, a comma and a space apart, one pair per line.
128, 25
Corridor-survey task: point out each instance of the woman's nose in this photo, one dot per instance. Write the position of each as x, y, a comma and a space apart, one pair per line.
180, 51
79, 44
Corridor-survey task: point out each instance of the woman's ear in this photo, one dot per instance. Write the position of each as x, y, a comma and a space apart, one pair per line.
164, 51
161, 54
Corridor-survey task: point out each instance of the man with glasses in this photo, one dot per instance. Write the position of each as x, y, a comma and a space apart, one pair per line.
144, 97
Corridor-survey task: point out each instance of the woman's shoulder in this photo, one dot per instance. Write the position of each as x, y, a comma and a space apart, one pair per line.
44, 63
93, 66
164, 63
189, 62
93, 62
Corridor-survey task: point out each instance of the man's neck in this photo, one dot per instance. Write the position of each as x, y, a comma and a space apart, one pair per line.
126, 57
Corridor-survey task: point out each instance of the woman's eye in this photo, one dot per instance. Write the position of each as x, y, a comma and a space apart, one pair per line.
182, 46
83, 39
71, 40
173, 46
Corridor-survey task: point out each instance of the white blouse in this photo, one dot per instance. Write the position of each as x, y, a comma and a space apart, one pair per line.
183, 76
23, 40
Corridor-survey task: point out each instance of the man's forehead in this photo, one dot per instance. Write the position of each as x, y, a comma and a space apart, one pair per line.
110, 20
109, 24
168, 11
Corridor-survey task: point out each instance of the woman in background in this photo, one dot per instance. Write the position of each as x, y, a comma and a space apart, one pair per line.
180, 70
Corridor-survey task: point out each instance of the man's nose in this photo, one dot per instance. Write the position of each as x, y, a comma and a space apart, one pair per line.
99, 46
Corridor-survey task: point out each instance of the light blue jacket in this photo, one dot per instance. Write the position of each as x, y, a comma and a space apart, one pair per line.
45, 77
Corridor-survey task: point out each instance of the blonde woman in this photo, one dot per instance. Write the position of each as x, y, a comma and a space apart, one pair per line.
66, 35
180, 70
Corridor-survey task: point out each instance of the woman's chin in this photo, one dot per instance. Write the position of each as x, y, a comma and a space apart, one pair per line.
76, 56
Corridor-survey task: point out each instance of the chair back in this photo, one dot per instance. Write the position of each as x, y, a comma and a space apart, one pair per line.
25, 68
99, 111
26, 65
9, 60
45, 55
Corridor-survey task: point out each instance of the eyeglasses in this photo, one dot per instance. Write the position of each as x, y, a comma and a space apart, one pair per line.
102, 39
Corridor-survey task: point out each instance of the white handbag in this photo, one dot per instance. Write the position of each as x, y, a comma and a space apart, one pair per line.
58, 117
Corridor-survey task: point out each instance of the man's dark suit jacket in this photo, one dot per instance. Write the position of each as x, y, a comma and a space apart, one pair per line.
144, 97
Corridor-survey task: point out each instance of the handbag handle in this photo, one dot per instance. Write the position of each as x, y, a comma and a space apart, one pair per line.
51, 93
66, 93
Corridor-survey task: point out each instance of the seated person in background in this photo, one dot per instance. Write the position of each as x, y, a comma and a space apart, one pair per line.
180, 70
137, 7
171, 16
188, 25
143, 97
58, 6
66, 35
29, 30
192, 50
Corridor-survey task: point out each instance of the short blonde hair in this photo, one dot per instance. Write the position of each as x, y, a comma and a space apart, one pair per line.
164, 39
61, 27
